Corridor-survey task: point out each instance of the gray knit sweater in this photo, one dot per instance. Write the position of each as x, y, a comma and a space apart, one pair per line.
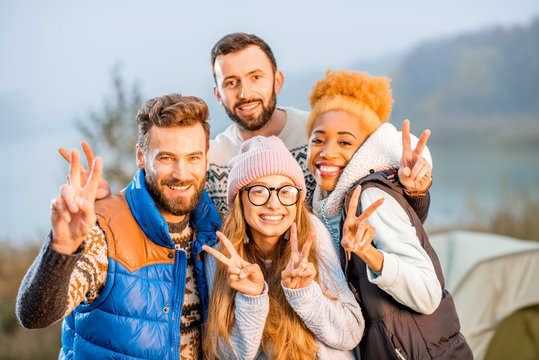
337, 324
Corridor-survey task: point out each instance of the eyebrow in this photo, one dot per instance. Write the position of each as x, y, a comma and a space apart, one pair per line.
339, 133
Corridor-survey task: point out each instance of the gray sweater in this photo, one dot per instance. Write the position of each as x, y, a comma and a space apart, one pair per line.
337, 324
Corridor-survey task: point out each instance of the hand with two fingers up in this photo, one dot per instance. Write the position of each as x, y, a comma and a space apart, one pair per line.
415, 172
72, 213
103, 188
357, 233
299, 271
242, 275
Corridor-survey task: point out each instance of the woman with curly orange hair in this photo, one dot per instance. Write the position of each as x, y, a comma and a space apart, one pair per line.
357, 158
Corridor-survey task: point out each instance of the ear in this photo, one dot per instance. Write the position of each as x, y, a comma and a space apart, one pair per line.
217, 95
207, 161
140, 158
279, 78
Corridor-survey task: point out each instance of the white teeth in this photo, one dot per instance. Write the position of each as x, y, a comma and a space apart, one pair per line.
329, 169
180, 188
248, 107
272, 217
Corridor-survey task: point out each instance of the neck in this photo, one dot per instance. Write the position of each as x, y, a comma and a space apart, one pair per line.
274, 126
266, 245
169, 217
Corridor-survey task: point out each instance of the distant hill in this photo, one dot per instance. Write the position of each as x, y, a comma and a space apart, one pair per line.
484, 83
471, 82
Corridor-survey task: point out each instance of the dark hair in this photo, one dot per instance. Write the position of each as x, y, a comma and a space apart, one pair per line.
172, 110
235, 42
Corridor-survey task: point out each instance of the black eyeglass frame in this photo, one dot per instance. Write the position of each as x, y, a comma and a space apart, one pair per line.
270, 189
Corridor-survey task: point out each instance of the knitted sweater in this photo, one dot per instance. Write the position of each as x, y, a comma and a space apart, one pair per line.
407, 274
227, 144
337, 324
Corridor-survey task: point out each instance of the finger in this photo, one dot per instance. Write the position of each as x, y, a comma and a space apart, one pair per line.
249, 269
420, 162
294, 238
368, 212
307, 247
422, 142
424, 175
228, 245
95, 178
88, 152
216, 254
406, 136
69, 199
354, 201
58, 205
74, 172
65, 154
368, 236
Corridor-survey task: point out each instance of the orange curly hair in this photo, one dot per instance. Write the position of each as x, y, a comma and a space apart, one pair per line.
365, 96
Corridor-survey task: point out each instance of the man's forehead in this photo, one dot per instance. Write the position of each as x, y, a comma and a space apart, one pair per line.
177, 139
242, 62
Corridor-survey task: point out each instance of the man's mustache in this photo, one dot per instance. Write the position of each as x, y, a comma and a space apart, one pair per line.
243, 102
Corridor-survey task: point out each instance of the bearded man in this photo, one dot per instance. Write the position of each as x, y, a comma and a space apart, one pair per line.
247, 82
126, 272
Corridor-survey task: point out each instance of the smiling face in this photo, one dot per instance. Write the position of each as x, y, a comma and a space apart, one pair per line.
334, 140
175, 164
267, 223
246, 86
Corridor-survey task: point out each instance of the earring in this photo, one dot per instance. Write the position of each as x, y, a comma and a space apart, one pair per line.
245, 239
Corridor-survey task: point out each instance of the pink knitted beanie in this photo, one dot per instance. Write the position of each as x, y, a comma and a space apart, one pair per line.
262, 156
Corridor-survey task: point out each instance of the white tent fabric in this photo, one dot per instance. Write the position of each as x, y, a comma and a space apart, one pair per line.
490, 277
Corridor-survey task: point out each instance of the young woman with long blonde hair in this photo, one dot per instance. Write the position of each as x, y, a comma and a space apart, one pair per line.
269, 300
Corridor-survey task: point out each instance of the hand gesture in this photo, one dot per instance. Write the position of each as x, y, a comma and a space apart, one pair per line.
357, 233
103, 188
242, 275
414, 170
299, 272
72, 213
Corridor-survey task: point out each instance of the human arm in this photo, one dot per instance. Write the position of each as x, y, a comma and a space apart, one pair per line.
250, 311
49, 291
57, 283
327, 306
408, 273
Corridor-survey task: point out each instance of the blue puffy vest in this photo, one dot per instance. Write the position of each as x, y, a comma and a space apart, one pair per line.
137, 314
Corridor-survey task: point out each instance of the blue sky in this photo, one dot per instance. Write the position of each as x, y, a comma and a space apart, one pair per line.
56, 59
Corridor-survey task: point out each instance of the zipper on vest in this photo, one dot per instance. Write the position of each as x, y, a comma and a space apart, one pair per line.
397, 350
178, 294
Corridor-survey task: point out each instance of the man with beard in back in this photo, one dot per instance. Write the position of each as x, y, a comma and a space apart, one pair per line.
126, 272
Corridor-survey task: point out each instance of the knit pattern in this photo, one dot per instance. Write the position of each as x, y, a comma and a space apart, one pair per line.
191, 320
89, 275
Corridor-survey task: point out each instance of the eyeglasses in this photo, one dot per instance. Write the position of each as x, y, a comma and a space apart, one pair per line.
259, 195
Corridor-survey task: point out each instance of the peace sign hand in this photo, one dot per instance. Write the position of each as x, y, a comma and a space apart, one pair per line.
299, 272
72, 213
242, 275
414, 170
358, 233
103, 189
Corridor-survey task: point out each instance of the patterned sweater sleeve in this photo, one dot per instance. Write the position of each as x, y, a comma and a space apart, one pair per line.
328, 307
57, 283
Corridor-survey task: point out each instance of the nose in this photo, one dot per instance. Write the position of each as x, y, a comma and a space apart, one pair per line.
245, 91
273, 201
180, 170
329, 150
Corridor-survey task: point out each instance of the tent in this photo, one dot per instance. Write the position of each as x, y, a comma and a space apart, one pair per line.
494, 281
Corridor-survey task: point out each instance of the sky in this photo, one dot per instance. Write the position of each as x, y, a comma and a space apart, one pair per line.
56, 59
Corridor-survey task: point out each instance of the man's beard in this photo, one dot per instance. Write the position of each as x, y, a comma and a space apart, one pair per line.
253, 123
177, 206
